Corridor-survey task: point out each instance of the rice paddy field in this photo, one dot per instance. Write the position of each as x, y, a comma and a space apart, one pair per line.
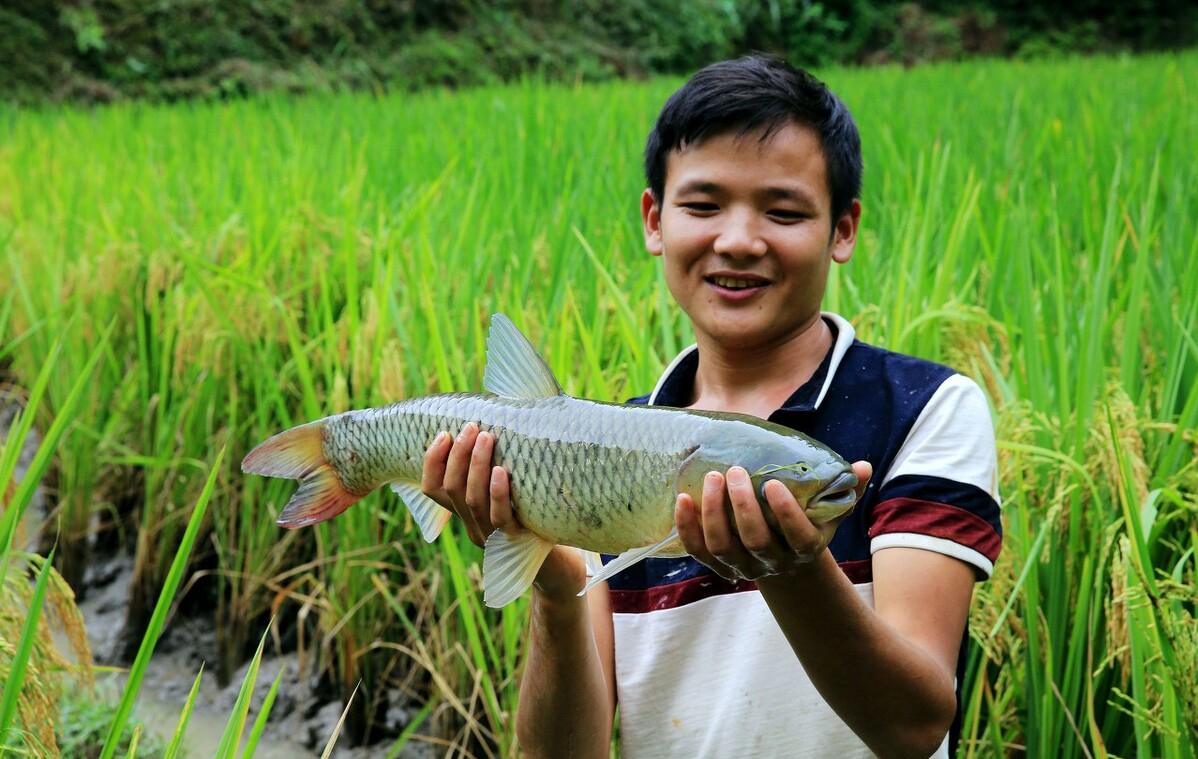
181, 281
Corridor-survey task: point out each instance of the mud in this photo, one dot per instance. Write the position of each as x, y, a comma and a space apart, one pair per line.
300, 723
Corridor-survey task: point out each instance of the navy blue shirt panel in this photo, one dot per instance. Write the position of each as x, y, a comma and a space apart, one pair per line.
873, 402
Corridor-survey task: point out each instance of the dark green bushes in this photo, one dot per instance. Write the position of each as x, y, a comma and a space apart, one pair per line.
101, 50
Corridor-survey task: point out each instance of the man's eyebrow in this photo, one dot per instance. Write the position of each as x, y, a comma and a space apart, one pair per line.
696, 186
795, 194
778, 192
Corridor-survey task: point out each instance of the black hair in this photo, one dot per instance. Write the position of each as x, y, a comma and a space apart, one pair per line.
758, 93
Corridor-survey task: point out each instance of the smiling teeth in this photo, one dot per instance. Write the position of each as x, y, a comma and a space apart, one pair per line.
734, 284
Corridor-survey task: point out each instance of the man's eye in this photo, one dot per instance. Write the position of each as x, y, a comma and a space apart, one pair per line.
700, 207
785, 214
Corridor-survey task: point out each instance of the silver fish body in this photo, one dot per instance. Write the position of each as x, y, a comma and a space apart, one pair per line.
599, 476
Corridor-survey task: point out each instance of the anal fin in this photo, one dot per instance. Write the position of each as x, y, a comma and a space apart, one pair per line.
593, 561
430, 516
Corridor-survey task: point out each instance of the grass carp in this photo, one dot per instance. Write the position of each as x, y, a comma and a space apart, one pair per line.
598, 476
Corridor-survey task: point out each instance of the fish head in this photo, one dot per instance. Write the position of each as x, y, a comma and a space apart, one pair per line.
825, 488
820, 480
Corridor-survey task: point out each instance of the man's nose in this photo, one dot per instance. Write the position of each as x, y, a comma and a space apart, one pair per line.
740, 235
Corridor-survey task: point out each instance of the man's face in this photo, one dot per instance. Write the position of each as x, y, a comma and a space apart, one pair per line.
746, 234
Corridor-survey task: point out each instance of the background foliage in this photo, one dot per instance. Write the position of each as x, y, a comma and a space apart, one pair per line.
188, 278
102, 50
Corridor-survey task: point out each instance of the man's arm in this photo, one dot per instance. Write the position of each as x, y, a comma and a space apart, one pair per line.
887, 671
567, 694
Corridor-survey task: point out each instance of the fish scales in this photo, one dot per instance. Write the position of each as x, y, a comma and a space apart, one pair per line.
580, 470
599, 476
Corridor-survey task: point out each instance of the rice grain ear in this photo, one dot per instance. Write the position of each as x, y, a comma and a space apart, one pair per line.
31, 688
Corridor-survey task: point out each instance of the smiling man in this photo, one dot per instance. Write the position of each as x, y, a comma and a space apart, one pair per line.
785, 642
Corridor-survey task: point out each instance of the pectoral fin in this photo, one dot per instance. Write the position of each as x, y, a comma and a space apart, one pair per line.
431, 517
628, 558
510, 563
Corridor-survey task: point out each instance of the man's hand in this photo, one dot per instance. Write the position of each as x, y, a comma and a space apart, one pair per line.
458, 475
728, 531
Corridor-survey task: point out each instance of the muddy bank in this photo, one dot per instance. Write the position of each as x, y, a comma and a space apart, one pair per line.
301, 722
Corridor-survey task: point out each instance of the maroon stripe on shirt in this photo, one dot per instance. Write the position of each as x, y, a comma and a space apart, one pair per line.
675, 594
705, 586
938, 520
859, 572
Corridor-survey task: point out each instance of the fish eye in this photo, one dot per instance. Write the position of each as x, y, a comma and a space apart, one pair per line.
798, 468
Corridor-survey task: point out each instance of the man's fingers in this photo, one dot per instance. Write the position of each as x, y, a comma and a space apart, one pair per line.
690, 533
728, 531
864, 470
478, 478
719, 536
457, 473
797, 530
457, 468
752, 529
500, 493
432, 477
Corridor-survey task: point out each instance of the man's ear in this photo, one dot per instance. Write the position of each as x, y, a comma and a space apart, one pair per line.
844, 235
651, 216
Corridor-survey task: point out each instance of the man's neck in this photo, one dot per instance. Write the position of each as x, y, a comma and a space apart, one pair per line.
758, 382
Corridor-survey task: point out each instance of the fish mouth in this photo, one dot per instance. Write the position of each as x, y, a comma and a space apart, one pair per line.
841, 493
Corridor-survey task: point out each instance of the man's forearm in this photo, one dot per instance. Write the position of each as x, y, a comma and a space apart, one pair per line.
892, 693
566, 707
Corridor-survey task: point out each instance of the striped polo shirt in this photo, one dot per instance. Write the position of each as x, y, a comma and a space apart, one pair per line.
701, 667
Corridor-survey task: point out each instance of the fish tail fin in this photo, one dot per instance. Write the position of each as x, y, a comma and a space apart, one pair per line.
297, 454
321, 497
510, 563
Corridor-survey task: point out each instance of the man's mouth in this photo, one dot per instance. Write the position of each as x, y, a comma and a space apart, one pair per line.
735, 283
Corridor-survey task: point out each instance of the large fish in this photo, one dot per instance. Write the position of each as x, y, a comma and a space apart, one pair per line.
599, 476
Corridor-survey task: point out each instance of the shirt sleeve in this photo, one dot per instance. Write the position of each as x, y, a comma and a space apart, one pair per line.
941, 493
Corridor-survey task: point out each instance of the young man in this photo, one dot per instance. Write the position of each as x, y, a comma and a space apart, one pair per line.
765, 643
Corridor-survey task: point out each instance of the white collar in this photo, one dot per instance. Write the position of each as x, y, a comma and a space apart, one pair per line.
845, 334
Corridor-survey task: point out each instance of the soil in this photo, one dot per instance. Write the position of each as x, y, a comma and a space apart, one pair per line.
300, 724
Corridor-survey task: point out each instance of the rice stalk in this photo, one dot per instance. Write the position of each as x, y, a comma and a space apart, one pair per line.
337, 251
161, 608
174, 748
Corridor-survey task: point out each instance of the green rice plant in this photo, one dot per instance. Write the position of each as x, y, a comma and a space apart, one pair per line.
158, 620
1042, 229
255, 264
233, 729
32, 668
174, 748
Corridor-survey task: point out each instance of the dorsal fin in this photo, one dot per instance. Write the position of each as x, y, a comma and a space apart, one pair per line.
514, 368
